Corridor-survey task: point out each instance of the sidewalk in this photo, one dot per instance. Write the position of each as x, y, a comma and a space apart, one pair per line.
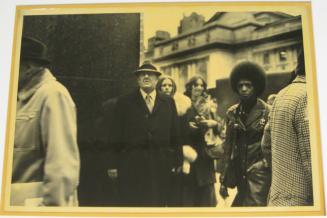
228, 201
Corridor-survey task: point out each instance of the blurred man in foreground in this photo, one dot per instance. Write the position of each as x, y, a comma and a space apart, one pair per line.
46, 159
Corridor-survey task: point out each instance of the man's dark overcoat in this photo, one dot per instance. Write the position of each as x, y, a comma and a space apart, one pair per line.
147, 146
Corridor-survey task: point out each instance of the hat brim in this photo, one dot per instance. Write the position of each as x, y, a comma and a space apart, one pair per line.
148, 71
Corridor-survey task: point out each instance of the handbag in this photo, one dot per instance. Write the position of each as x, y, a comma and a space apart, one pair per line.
214, 145
214, 151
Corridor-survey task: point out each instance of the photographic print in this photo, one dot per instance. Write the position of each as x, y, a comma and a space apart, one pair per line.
163, 109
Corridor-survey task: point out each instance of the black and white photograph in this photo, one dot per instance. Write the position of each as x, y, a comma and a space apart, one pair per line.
163, 106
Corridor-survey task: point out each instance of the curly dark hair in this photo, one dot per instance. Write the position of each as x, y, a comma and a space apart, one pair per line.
191, 82
251, 71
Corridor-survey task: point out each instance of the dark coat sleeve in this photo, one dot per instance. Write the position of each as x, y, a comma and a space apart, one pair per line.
104, 132
228, 145
266, 144
115, 139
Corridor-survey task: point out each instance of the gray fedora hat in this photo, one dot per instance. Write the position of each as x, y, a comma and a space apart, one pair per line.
147, 67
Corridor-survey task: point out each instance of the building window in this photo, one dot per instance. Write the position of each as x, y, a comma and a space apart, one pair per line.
208, 36
266, 67
182, 76
191, 41
161, 50
201, 68
282, 55
174, 47
266, 58
166, 70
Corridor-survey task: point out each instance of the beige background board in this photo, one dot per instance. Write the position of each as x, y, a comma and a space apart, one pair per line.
302, 8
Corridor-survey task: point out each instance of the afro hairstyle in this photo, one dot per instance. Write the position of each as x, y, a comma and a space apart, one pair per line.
250, 71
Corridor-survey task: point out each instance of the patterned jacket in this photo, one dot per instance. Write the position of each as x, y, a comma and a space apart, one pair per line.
290, 147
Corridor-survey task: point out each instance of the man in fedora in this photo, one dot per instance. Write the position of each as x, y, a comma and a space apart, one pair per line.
146, 138
46, 158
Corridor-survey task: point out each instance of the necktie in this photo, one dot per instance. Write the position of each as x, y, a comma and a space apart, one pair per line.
149, 102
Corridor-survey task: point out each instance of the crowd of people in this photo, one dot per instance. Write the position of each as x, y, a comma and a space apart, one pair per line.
163, 144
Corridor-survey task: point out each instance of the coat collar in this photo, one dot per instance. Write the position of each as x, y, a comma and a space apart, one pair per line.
34, 84
153, 94
157, 102
257, 111
140, 101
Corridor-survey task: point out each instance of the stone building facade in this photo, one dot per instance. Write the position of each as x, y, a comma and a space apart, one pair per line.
212, 48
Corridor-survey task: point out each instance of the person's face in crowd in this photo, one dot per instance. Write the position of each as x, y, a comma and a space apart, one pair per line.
147, 81
26, 71
197, 88
245, 89
23, 68
167, 87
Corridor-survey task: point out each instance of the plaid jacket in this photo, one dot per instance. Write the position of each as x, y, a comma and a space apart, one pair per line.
290, 147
